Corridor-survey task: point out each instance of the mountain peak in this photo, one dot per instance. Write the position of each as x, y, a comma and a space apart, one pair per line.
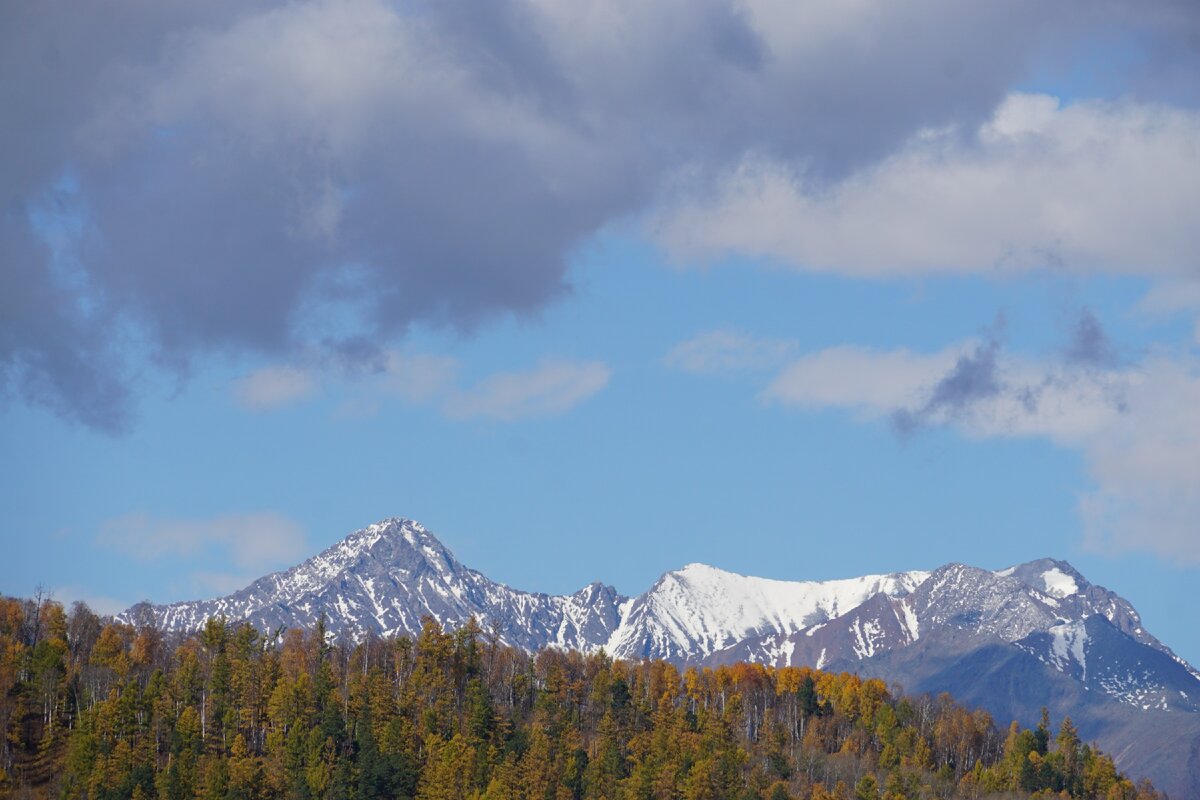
700, 570
1050, 576
397, 541
409, 530
383, 579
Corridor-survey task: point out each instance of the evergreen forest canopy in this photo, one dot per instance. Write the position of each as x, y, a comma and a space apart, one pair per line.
94, 710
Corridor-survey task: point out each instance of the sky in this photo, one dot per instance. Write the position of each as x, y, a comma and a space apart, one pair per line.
598, 289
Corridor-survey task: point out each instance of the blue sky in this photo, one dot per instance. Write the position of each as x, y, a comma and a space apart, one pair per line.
600, 313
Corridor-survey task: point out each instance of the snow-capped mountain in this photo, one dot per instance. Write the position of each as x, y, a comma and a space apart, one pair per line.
691, 613
1093, 652
1079, 599
1043, 607
384, 579
1010, 640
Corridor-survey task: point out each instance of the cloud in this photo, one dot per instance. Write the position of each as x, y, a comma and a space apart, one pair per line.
1146, 468
723, 350
98, 603
252, 177
551, 388
418, 378
972, 379
1136, 426
250, 541
1171, 297
274, 387
1090, 187
1089, 343
871, 382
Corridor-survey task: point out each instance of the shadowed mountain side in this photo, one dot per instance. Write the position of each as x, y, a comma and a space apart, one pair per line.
1013, 684
1095, 653
879, 624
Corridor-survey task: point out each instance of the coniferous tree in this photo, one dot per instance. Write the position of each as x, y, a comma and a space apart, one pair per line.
118, 711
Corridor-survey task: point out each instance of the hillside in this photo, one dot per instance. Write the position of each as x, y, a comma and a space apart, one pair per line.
120, 711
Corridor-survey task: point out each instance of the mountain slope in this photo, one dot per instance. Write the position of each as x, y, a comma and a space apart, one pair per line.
1013, 684
693, 612
384, 578
1010, 640
965, 607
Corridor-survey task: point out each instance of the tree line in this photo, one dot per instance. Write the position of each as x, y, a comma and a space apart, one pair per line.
92, 709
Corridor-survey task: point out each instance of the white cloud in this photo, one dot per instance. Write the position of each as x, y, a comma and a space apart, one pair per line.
1171, 297
233, 157
1094, 186
250, 541
726, 350
551, 388
274, 387
1146, 466
421, 379
416, 377
1137, 428
98, 603
872, 382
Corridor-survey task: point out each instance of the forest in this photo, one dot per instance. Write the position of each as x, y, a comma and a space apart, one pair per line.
96, 710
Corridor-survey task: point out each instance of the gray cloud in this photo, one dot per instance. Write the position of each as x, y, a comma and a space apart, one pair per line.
267, 176
1135, 426
977, 380
1090, 344
250, 541
972, 379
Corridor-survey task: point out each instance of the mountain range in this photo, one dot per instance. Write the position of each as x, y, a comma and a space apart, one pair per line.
1011, 641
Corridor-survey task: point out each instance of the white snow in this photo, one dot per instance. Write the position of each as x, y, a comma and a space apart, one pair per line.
1067, 642
701, 609
1059, 583
910, 621
865, 637
689, 614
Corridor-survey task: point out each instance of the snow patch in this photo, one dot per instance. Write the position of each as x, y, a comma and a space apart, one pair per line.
700, 609
865, 637
1067, 643
910, 621
1059, 583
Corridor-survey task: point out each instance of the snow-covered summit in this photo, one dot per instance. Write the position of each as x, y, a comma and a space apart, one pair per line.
1055, 578
1011, 640
385, 578
692, 612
